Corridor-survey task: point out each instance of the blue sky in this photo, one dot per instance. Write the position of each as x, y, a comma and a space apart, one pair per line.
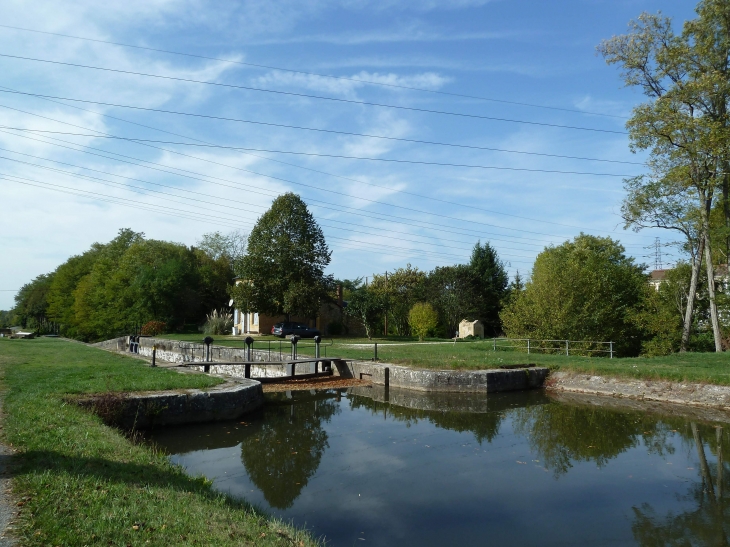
376, 215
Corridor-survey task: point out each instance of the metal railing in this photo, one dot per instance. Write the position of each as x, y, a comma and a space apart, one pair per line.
579, 347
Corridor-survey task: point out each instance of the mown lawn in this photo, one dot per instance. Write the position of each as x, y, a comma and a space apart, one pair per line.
81, 482
474, 355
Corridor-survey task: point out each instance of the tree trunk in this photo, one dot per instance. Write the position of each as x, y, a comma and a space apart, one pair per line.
711, 290
688, 313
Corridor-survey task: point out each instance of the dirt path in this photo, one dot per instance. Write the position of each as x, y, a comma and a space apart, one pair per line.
8, 507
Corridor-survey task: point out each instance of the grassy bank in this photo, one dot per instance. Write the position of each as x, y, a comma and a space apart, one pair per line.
83, 483
711, 368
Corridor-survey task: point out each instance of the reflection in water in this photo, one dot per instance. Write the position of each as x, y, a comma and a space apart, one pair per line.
565, 434
705, 522
288, 447
395, 467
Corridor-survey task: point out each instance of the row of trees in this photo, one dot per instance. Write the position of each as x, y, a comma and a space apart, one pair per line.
477, 290
129, 281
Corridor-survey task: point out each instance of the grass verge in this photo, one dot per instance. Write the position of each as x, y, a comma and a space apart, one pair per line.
83, 483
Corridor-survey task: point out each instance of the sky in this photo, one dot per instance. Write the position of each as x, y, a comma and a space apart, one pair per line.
511, 95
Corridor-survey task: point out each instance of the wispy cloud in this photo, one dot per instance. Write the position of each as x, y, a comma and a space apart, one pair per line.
427, 80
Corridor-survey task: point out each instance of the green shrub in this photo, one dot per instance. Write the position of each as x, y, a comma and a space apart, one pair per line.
423, 319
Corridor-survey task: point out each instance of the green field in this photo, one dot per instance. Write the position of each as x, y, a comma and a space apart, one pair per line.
81, 482
474, 355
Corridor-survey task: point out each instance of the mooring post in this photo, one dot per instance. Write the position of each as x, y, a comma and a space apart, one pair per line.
207, 341
249, 343
610, 349
154, 355
294, 340
376, 352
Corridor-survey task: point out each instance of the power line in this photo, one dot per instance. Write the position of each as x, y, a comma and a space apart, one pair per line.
104, 197
349, 210
215, 197
358, 80
318, 97
288, 181
313, 154
304, 128
431, 198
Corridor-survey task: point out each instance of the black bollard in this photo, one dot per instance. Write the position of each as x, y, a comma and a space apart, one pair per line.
207, 341
249, 343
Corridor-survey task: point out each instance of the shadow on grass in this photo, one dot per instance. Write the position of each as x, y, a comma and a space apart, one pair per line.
131, 474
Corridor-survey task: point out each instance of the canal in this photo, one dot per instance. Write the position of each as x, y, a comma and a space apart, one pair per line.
376, 467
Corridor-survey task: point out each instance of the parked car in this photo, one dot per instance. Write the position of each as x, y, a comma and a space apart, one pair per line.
287, 328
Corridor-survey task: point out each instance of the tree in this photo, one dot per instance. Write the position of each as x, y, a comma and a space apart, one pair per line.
368, 307
453, 292
685, 126
586, 289
283, 272
403, 288
31, 304
423, 319
492, 286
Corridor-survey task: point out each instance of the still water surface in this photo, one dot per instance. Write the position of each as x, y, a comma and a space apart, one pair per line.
398, 468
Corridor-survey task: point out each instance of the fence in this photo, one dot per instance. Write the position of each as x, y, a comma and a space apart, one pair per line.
578, 347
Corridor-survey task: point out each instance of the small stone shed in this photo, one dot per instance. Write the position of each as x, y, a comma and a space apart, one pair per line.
471, 328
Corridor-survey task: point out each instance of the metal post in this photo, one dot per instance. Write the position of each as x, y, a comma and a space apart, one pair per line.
567, 351
494, 344
154, 355
249, 343
247, 370
387, 376
611, 349
528, 346
376, 352
294, 340
208, 341
317, 340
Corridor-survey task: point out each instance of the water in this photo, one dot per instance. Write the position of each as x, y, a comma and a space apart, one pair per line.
399, 468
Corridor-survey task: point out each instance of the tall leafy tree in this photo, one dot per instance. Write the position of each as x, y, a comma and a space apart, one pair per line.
492, 286
31, 302
685, 125
585, 289
402, 288
368, 307
283, 271
453, 290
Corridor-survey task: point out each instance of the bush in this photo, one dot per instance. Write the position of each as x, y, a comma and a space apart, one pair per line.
423, 319
335, 328
218, 322
153, 328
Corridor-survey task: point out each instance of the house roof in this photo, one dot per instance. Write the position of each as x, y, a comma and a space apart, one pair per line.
658, 275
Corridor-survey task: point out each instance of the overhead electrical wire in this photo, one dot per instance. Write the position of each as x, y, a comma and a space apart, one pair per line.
326, 207
239, 223
350, 210
227, 199
304, 128
318, 97
314, 154
440, 200
292, 182
345, 78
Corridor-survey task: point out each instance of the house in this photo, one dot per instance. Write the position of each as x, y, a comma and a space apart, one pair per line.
722, 277
330, 313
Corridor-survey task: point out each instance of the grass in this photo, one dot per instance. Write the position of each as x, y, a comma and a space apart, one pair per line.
81, 482
711, 368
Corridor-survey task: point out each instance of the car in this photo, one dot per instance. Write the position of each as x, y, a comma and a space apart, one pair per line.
286, 328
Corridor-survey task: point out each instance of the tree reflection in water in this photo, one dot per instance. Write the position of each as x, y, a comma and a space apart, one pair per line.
705, 523
562, 434
287, 450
